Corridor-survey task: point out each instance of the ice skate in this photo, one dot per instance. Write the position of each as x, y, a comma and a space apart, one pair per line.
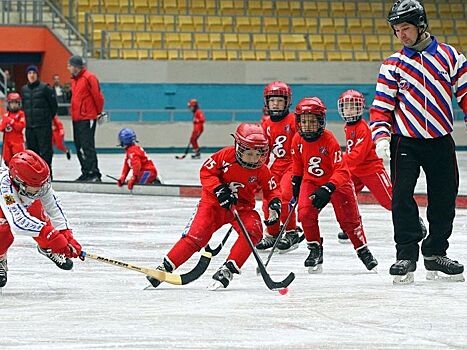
166, 266
342, 237
266, 243
224, 275
196, 155
403, 270
59, 259
289, 241
444, 269
367, 258
3, 270
314, 261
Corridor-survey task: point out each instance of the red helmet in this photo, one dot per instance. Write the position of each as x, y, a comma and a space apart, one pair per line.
350, 105
13, 96
28, 169
193, 103
310, 115
280, 89
251, 137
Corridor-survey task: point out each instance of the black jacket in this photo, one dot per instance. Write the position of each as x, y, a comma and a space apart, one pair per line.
39, 104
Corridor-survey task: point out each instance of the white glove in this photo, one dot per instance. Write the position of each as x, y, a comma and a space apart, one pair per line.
102, 118
383, 149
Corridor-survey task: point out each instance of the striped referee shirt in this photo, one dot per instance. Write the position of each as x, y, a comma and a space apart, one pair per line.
414, 92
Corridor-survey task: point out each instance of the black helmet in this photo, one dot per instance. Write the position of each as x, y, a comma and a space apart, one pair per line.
410, 11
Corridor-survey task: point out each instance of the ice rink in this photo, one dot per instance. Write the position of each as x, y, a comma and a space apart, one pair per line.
97, 306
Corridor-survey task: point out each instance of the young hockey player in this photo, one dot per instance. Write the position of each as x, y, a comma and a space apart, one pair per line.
320, 175
229, 177
143, 169
280, 129
198, 127
30, 207
58, 136
12, 126
365, 167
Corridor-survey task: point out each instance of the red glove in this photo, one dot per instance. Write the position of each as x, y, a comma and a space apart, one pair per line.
131, 183
120, 182
74, 246
56, 241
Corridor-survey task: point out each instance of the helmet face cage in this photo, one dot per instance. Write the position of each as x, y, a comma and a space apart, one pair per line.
278, 89
351, 108
23, 188
243, 150
14, 97
311, 126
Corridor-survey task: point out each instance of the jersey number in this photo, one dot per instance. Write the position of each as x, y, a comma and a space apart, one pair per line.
278, 147
314, 166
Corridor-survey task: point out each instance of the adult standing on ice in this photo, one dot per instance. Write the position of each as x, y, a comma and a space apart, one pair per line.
412, 120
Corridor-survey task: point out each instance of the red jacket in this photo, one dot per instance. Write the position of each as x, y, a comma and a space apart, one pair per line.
12, 125
87, 100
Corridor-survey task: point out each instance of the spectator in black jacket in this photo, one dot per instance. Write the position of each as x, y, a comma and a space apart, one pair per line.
40, 106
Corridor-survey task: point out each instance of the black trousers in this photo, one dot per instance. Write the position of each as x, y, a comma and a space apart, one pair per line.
83, 135
437, 158
39, 140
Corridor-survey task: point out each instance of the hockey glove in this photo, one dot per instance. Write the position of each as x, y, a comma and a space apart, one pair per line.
120, 182
56, 240
296, 182
322, 195
274, 212
292, 202
383, 149
131, 183
102, 118
225, 196
73, 245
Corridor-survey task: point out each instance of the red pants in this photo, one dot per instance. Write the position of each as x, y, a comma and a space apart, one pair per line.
379, 185
6, 236
10, 149
58, 140
194, 138
285, 180
147, 177
344, 201
207, 219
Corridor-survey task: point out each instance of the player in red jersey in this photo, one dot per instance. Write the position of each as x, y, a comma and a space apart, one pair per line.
58, 136
280, 129
320, 175
143, 169
198, 127
366, 168
12, 126
229, 177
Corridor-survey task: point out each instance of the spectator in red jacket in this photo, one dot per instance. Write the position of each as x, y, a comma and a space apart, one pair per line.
87, 103
198, 127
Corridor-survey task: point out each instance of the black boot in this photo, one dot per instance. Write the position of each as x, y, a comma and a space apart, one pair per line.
367, 258
266, 243
59, 259
289, 241
224, 275
403, 271
450, 269
314, 261
166, 266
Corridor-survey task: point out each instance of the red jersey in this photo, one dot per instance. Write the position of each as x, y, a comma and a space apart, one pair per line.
361, 155
57, 126
198, 117
222, 168
319, 161
13, 124
280, 135
137, 160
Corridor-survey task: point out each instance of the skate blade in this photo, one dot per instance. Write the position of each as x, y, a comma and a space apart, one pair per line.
441, 276
150, 287
315, 269
216, 285
295, 246
343, 241
404, 279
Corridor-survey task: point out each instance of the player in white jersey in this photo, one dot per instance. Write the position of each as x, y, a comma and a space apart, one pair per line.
29, 206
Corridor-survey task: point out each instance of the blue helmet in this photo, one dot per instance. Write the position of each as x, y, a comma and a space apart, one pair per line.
127, 137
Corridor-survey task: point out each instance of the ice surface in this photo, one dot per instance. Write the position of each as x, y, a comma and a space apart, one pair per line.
97, 306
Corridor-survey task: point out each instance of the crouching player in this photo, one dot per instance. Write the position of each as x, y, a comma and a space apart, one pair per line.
30, 207
320, 175
144, 170
229, 177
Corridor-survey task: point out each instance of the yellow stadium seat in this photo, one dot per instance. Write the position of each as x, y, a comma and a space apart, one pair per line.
283, 23
461, 27
159, 55
198, 22
431, 10
319, 56
316, 42
347, 56
273, 40
293, 42
199, 7
310, 9
268, 8
173, 55
81, 21
361, 56
143, 40
367, 25
344, 42
248, 56
125, 6
215, 24
458, 10
444, 10
340, 26
243, 24
156, 39
127, 22
385, 42
276, 56
231, 41
115, 40
227, 23
98, 22
190, 55
334, 56
141, 6
295, 8
185, 24
260, 42
156, 23
357, 41
322, 8
216, 40
448, 26
96, 6
299, 25
127, 39
172, 40
349, 7
364, 9
329, 42
201, 41
130, 54
354, 25
244, 41
435, 26
115, 54
377, 10
326, 25
337, 9
84, 6
219, 55
381, 26
203, 54
312, 24
211, 8
282, 8
140, 23
169, 23
305, 56
374, 55
270, 24
232, 55
255, 8
452, 40
290, 56
112, 6
96, 37
170, 7
372, 42
227, 7
255, 25
186, 41
261, 55
144, 54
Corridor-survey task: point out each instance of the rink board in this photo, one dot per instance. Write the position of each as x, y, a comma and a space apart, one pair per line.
195, 191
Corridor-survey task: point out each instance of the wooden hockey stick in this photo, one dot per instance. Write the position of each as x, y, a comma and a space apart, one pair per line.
186, 151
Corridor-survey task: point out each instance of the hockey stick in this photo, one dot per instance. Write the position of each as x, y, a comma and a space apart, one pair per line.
279, 236
168, 277
111, 177
272, 285
186, 151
